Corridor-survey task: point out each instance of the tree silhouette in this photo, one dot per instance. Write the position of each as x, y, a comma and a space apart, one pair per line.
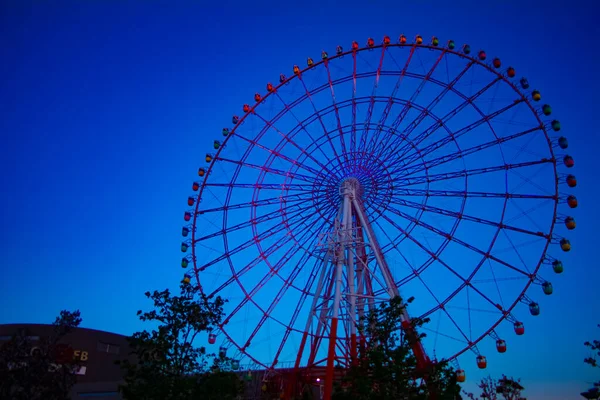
594, 346
43, 369
387, 368
167, 364
492, 389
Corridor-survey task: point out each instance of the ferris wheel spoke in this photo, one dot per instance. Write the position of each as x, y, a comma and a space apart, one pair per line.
278, 154
367, 123
228, 253
408, 104
465, 281
516, 250
274, 270
337, 114
436, 257
267, 169
253, 221
459, 193
446, 118
466, 217
418, 180
303, 296
318, 114
393, 95
427, 110
291, 198
288, 138
262, 256
452, 238
264, 186
458, 154
441, 306
353, 123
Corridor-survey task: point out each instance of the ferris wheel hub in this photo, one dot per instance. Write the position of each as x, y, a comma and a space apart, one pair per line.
352, 187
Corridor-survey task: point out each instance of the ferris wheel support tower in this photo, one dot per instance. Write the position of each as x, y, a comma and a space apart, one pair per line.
346, 252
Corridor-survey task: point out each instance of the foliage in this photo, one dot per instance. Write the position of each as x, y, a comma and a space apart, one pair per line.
167, 364
387, 368
42, 369
593, 360
491, 389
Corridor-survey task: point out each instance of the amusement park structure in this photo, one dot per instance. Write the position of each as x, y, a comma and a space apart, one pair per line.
405, 167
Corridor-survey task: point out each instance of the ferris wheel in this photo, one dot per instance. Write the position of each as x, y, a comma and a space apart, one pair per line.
411, 168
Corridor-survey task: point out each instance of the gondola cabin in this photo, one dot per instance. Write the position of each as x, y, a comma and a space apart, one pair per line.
195, 186
460, 375
571, 181
536, 95
546, 109
569, 161
339, 50
570, 223
572, 201
534, 309
435, 41
519, 327
324, 55
246, 108
555, 125
184, 263
419, 39
547, 288
270, 88
235, 119
481, 55
510, 72
187, 279
296, 70
248, 377
191, 201
451, 45
281, 78
184, 247
557, 266
257, 97
563, 143
187, 216
565, 245
216, 145
466, 49
208, 158
222, 352
212, 338
501, 346
481, 362
524, 83
370, 42
354, 45
201, 172
185, 231
386, 40
402, 39
225, 131
496, 63
310, 62
235, 365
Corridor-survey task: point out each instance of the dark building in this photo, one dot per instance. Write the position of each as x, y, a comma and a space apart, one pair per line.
99, 377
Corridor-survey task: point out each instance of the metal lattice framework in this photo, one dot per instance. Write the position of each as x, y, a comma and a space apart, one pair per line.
404, 167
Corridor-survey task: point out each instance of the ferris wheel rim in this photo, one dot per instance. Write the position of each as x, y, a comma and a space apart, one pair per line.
475, 61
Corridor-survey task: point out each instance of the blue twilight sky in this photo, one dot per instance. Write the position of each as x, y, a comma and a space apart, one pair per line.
107, 108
